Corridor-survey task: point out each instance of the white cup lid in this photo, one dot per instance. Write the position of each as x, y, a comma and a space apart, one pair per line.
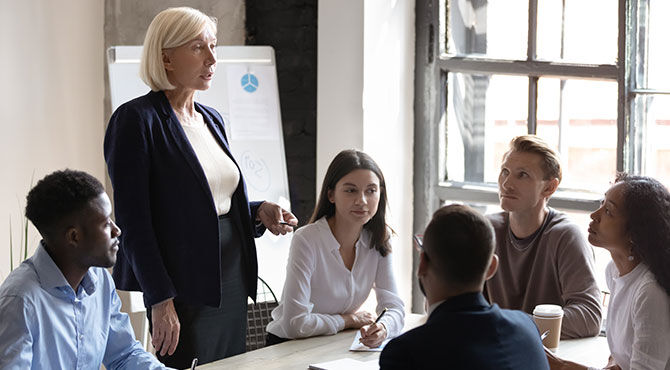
548, 310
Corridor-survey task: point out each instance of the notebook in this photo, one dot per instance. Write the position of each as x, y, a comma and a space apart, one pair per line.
357, 346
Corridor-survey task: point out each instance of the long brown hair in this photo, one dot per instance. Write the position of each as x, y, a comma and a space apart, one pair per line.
343, 163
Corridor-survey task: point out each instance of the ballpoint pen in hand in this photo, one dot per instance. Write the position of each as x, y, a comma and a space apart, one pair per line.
286, 224
381, 314
376, 321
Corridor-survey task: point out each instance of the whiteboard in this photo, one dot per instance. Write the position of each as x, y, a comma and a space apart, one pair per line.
245, 91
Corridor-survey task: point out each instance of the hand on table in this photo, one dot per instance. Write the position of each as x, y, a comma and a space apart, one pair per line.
373, 335
165, 327
358, 319
271, 214
611, 365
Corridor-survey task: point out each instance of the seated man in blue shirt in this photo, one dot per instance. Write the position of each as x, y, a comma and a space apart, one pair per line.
59, 308
463, 330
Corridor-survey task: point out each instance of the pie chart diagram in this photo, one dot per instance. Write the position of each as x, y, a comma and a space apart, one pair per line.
249, 82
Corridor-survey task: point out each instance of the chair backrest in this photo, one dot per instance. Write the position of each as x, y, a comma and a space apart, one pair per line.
258, 315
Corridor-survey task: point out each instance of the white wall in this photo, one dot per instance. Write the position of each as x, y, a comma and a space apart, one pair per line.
339, 105
365, 101
51, 100
388, 106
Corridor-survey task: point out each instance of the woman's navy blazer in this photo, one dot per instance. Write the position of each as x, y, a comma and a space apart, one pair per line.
164, 207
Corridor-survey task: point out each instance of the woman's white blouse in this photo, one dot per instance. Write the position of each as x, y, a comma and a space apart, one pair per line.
638, 320
318, 287
221, 172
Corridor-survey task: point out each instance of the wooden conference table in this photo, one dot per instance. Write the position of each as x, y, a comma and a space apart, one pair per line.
300, 353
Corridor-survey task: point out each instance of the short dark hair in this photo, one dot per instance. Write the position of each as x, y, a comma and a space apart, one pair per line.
459, 242
646, 204
60, 195
344, 163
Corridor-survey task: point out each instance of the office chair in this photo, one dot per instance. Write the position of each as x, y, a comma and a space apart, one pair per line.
258, 315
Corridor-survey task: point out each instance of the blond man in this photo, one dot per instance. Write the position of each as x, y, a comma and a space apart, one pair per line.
544, 259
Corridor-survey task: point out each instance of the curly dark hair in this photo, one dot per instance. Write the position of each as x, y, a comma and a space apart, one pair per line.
59, 195
344, 163
647, 207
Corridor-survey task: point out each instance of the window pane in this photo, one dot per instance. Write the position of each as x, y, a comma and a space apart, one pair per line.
442, 14
657, 51
655, 137
483, 114
585, 38
581, 123
494, 28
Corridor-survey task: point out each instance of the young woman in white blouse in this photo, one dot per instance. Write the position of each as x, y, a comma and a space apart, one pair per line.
336, 260
633, 224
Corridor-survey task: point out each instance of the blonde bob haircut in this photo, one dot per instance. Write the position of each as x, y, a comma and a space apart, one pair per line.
171, 28
551, 164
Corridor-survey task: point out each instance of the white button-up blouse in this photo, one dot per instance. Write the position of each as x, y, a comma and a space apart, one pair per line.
318, 287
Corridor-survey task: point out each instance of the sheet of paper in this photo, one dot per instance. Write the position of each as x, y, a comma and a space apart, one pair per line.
346, 364
253, 105
357, 346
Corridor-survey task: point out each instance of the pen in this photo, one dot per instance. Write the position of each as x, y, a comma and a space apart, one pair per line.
376, 321
381, 314
285, 223
195, 362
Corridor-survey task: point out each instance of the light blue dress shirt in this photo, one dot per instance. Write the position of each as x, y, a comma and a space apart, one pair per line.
44, 324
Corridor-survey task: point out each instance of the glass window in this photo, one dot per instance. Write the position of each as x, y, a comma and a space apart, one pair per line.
568, 31
579, 119
656, 131
653, 52
483, 114
494, 29
602, 114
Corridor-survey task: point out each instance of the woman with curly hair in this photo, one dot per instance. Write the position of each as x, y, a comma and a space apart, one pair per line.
633, 224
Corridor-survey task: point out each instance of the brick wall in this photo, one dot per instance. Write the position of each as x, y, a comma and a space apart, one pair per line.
289, 26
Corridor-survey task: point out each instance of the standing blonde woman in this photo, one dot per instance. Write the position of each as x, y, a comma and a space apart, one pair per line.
188, 241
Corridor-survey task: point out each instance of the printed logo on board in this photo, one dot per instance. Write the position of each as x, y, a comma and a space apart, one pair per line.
249, 82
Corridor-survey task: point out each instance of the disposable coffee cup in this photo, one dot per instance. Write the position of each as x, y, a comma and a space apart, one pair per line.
548, 318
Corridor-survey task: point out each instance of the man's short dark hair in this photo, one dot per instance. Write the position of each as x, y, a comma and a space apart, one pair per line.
459, 242
60, 195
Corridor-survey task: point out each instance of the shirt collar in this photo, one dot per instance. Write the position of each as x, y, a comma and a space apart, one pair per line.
332, 243
51, 277
630, 276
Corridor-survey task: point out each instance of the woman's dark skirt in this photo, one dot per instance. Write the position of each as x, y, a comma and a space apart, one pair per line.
212, 333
